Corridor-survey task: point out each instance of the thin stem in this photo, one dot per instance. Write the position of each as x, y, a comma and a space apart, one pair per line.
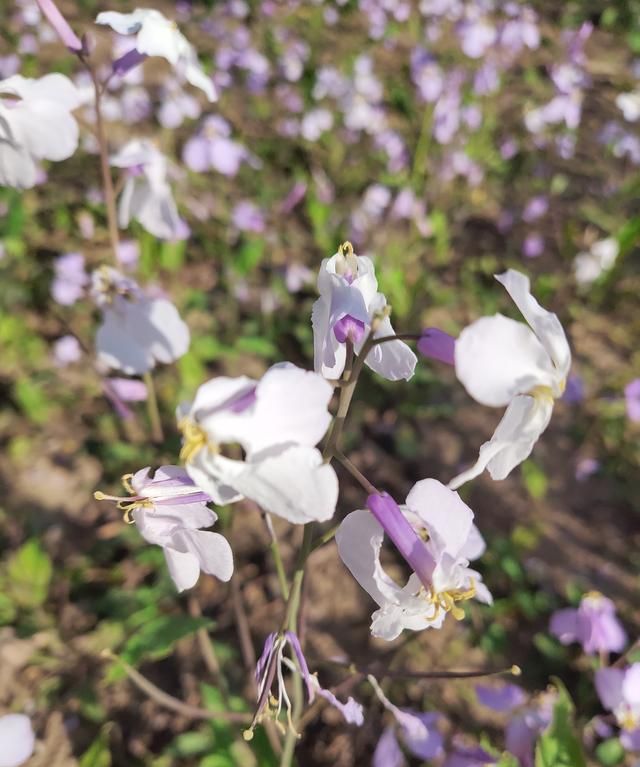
277, 558
107, 182
157, 434
355, 472
325, 537
397, 337
207, 649
168, 701
242, 623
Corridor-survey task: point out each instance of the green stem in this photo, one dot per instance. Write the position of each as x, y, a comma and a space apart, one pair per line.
277, 559
152, 409
422, 147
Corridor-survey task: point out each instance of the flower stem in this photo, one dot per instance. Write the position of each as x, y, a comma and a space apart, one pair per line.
157, 434
277, 558
107, 182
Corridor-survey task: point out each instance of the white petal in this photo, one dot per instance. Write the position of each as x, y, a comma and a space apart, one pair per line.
195, 75
545, 324
497, 358
294, 484
17, 168
17, 741
523, 422
393, 360
159, 36
359, 539
214, 474
329, 354
291, 407
122, 23
443, 512
170, 336
184, 567
116, 347
212, 551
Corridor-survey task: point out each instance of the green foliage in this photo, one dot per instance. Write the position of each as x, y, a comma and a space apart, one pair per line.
98, 753
560, 744
610, 752
29, 573
535, 480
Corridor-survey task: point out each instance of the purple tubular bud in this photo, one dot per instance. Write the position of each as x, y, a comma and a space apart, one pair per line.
59, 23
404, 537
349, 327
437, 345
127, 61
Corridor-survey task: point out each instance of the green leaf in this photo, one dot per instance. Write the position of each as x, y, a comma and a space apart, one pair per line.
155, 639
29, 572
610, 752
560, 744
98, 753
32, 399
249, 256
508, 760
535, 480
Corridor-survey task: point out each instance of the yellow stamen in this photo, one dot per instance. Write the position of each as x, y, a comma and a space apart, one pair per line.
194, 439
542, 393
446, 600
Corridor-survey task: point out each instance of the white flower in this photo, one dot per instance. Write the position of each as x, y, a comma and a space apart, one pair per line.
137, 330
169, 510
146, 195
502, 362
17, 740
601, 257
277, 421
442, 526
158, 36
348, 305
629, 105
35, 124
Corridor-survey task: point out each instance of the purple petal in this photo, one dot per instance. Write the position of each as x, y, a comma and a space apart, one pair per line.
504, 698
564, 625
59, 23
404, 537
437, 345
388, 753
426, 742
351, 710
302, 662
630, 739
349, 327
127, 62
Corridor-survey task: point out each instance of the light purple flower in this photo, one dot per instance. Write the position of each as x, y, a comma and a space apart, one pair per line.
270, 669
315, 123
585, 468
574, 391
128, 254
523, 729
297, 276
594, 625
476, 37
169, 511
70, 279
66, 350
619, 692
294, 198
535, 208
416, 730
503, 699
247, 217
426, 75
213, 149
17, 740
533, 245
469, 756
632, 400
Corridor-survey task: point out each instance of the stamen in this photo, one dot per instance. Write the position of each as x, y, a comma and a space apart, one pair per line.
446, 600
195, 438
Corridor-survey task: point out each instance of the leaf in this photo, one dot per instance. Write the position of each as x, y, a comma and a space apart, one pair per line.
29, 572
155, 639
98, 753
610, 752
535, 480
560, 745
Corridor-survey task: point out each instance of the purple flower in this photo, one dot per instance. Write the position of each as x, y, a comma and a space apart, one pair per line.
66, 350
535, 208
426, 75
247, 217
69, 279
574, 391
270, 669
619, 692
213, 149
632, 400
503, 699
415, 730
128, 254
585, 468
476, 37
594, 625
523, 730
533, 246
463, 756
296, 195
437, 345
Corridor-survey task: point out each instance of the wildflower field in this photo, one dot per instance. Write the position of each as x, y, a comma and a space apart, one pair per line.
320, 383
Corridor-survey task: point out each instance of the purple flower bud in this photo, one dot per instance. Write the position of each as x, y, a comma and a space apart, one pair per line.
349, 328
127, 62
59, 23
437, 345
533, 245
406, 540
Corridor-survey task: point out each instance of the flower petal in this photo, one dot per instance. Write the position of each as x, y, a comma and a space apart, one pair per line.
545, 324
212, 551
497, 358
522, 423
609, 686
294, 484
393, 360
184, 568
17, 740
388, 752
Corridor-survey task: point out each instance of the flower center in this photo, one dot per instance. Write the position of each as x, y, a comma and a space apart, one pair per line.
194, 439
347, 262
544, 393
127, 505
446, 601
